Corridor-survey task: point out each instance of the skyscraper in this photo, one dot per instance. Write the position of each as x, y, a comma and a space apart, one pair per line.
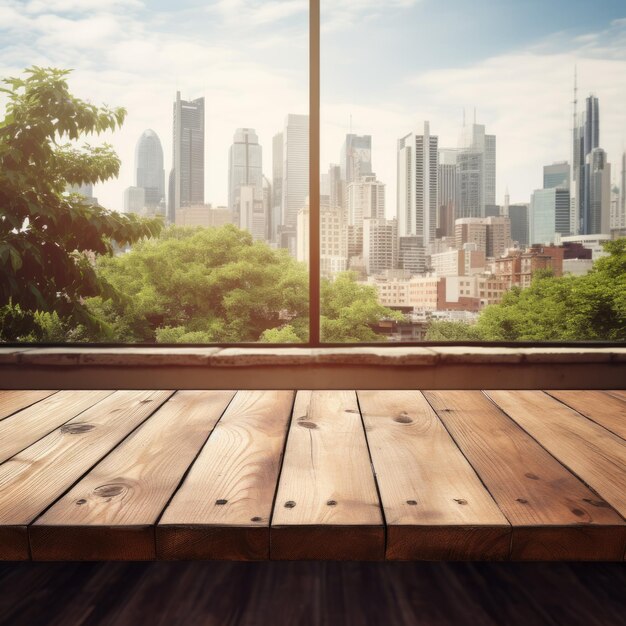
596, 218
356, 157
187, 179
476, 171
366, 199
556, 175
150, 174
587, 212
621, 211
518, 214
549, 214
295, 180
275, 218
417, 185
245, 165
446, 210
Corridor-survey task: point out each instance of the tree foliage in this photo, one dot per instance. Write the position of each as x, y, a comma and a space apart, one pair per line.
201, 285
48, 238
217, 285
568, 308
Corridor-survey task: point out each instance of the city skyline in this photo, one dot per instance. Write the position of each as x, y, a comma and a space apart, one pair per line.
133, 54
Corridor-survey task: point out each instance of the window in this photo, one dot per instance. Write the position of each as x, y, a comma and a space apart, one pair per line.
320, 167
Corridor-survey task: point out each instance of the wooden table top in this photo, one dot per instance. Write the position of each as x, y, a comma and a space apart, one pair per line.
341, 475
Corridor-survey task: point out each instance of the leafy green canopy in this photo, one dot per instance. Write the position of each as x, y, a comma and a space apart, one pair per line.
217, 285
48, 237
569, 308
201, 285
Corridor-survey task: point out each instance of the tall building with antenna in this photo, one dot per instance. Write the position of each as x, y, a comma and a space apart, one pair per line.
591, 172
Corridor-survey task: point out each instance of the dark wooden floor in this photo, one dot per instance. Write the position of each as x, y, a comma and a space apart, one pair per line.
312, 593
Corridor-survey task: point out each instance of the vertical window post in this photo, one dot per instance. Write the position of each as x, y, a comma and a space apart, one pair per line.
314, 172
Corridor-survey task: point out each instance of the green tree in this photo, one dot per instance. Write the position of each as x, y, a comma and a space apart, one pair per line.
48, 238
201, 285
349, 310
567, 308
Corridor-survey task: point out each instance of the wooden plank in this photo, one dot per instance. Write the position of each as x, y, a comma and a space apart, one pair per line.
110, 514
596, 455
618, 393
327, 506
33, 479
24, 428
435, 505
16, 400
222, 510
553, 514
599, 406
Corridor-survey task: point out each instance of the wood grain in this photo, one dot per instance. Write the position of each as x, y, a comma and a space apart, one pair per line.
31, 424
327, 506
222, 510
593, 453
553, 514
618, 393
110, 514
33, 479
12, 401
601, 407
435, 505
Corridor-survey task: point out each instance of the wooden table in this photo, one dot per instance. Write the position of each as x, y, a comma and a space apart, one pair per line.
282, 475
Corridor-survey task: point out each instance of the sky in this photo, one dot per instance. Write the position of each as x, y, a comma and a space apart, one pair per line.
386, 68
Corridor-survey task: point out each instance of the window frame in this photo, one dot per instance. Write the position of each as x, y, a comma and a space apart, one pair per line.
315, 339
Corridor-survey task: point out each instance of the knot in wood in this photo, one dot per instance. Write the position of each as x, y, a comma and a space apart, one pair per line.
411, 502
109, 491
221, 502
403, 418
290, 504
521, 500
76, 429
531, 476
311, 425
578, 512
332, 503
81, 501
256, 518
460, 500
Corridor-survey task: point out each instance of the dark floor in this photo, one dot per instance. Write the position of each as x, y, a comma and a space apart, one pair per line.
299, 593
